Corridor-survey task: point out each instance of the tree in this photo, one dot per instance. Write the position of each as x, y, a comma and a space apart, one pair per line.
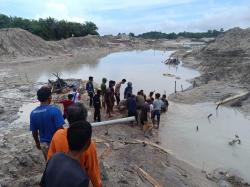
131, 34
49, 28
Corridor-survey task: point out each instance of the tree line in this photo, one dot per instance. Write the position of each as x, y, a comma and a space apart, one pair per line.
197, 35
49, 28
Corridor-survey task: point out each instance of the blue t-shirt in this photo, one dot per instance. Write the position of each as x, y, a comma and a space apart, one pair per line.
46, 119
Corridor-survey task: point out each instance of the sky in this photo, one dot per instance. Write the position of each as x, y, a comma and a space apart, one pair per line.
138, 16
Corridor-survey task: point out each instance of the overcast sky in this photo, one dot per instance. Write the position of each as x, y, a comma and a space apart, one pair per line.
138, 16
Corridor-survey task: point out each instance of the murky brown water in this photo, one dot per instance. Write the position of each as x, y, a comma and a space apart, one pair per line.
208, 147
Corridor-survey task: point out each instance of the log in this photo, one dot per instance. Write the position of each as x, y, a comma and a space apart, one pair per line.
114, 121
238, 96
148, 177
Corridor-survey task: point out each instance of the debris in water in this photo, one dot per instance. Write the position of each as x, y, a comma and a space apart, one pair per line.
236, 139
197, 128
209, 116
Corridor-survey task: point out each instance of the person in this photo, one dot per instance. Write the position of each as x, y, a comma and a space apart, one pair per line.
151, 95
64, 169
131, 106
90, 90
103, 89
144, 95
97, 106
128, 90
76, 95
59, 143
110, 98
45, 120
139, 100
117, 91
145, 117
164, 108
158, 103
66, 103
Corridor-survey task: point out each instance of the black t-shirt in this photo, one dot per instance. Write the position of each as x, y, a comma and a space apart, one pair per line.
63, 171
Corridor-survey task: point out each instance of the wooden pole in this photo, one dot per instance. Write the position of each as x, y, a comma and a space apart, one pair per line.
175, 87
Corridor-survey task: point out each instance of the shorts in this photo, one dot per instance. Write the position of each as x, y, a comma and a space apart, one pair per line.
156, 113
44, 149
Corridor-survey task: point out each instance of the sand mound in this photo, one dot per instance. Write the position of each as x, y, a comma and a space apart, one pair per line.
16, 43
80, 42
228, 58
235, 42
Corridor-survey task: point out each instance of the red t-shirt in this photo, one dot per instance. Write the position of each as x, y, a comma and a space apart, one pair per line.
66, 104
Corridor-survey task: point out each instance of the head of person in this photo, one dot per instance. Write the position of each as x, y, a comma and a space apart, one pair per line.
138, 93
99, 92
74, 89
164, 96
70, 96
157, 95
79, 136
142, 92
104, 80
91, 79
113, 83
123, 81
129, 84
76, 112
44, 95
151, 94
110, 83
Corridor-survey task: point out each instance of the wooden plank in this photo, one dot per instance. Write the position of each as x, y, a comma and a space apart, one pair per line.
238, 96
149, 178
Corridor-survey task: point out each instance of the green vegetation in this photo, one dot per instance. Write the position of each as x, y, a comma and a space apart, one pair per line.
49, 28
197, 35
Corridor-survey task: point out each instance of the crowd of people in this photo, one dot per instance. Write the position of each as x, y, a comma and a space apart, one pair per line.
70, 154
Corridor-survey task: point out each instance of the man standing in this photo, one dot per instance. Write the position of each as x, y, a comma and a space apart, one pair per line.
45, 120
103, 89
64, 169
89, 162
158, 103
90, 90
97, 106
110, 98
117, 91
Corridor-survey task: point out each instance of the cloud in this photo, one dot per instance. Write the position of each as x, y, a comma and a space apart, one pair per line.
58, 10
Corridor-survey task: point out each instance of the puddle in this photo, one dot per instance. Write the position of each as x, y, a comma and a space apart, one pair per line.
207, 148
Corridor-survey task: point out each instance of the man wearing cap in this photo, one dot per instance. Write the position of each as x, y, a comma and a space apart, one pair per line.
45, 120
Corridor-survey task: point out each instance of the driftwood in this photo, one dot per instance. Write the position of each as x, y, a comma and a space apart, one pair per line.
238, 96
135, 141
148, 177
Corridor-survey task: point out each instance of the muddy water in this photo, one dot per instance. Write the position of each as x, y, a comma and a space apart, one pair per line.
208, 147
143, 68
